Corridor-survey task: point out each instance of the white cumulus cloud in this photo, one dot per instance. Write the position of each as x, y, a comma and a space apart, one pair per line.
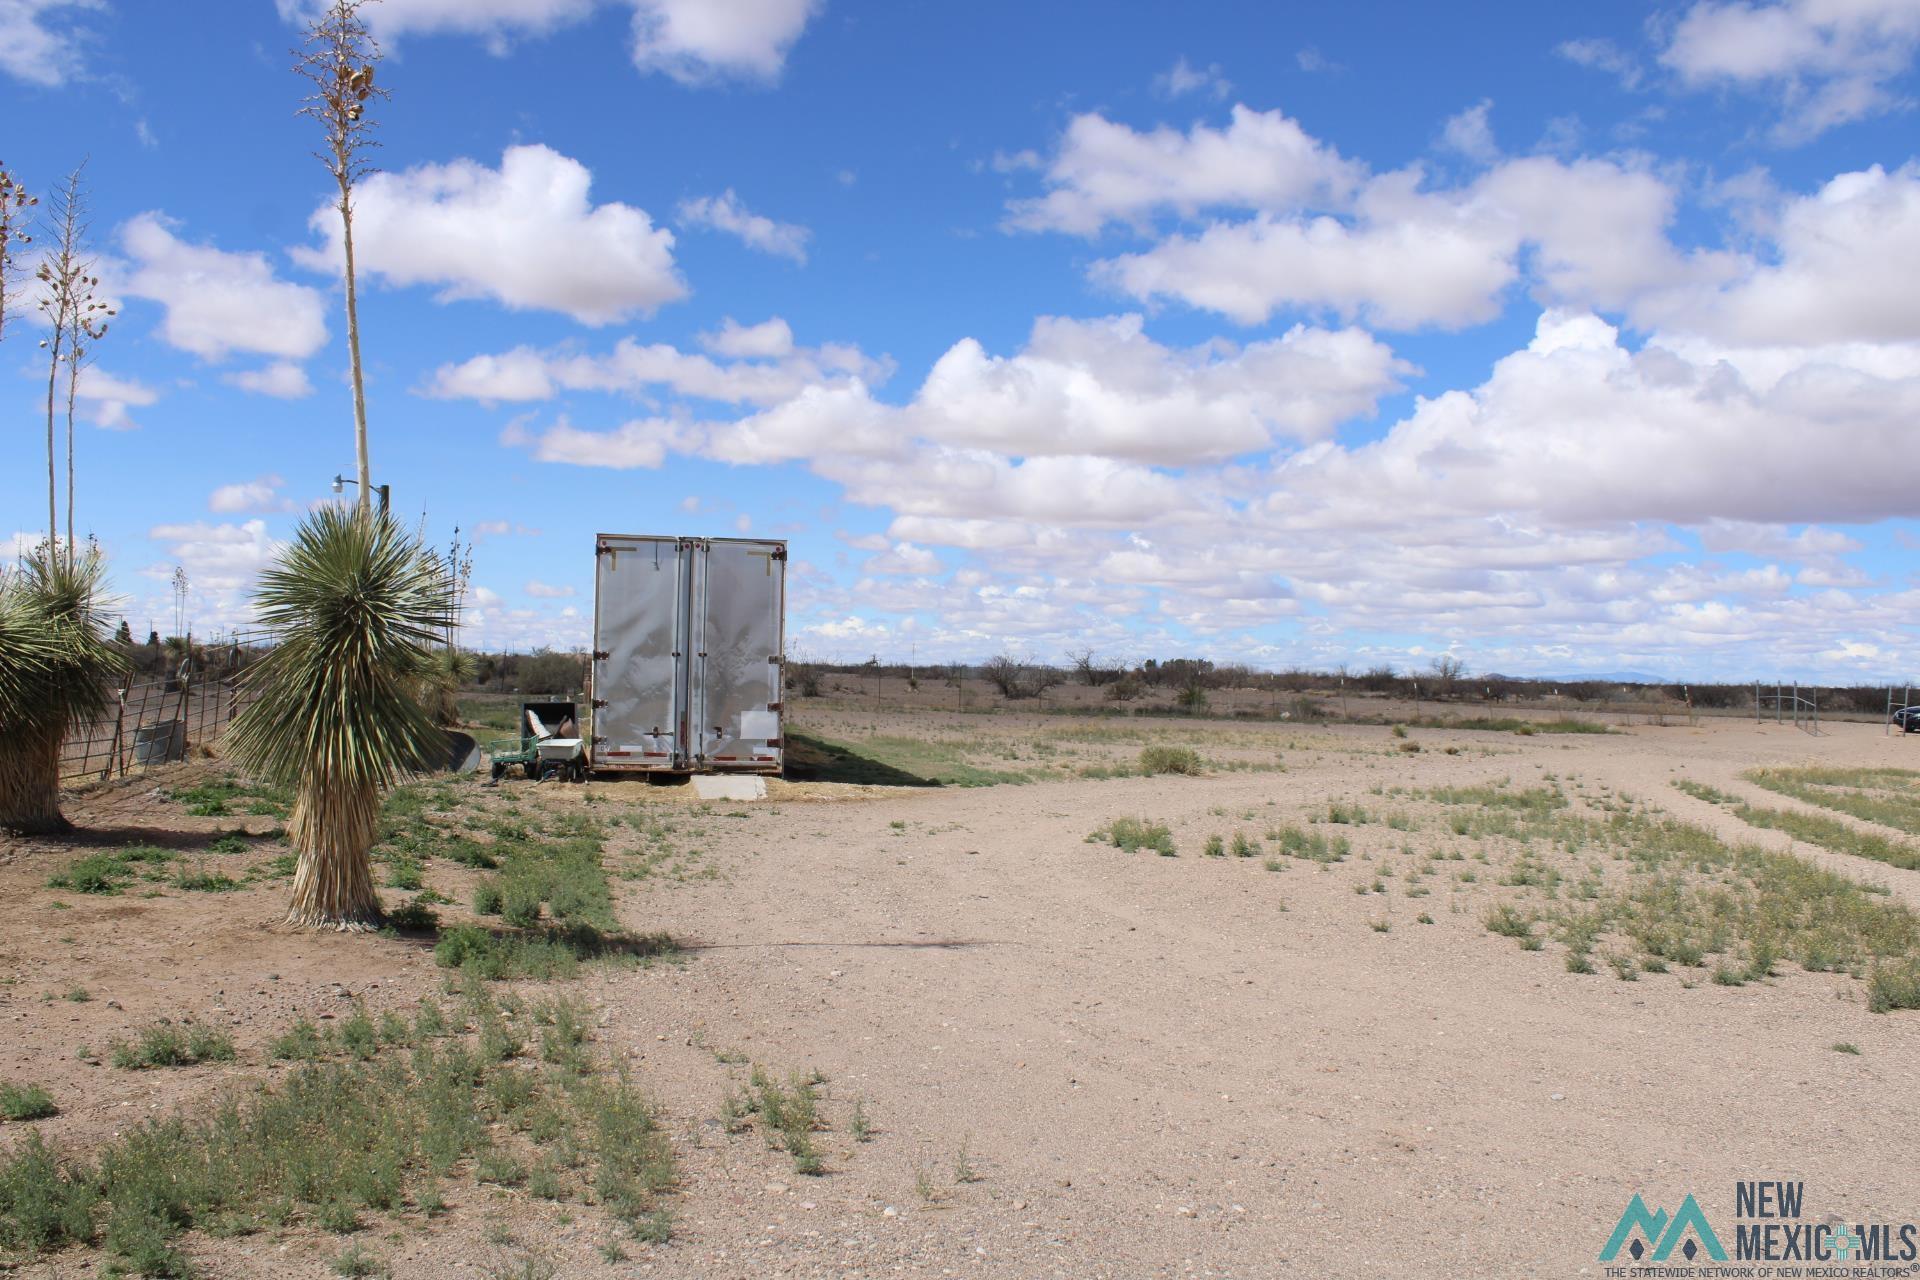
40, 42
261, 494
1183, 78
699, 42
219, 302
696, 42
526, 235
748, 371
108, 398
1827, 61
725, 212
283, 380
1104, 172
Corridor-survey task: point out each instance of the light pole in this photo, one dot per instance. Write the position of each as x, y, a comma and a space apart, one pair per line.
340, 484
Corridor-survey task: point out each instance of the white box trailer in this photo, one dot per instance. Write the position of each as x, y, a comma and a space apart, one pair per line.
688, 637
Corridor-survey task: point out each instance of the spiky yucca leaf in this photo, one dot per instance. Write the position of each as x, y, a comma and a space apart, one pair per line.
55, 669
447, 670
69, 591
359, 607
335, 710
30, 654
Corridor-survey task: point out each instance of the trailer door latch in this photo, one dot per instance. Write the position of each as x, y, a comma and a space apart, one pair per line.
601, 655
599, 702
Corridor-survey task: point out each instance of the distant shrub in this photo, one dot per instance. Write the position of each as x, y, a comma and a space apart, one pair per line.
29, 1102
1894, 986
414, 917
1131, 834
1184, 760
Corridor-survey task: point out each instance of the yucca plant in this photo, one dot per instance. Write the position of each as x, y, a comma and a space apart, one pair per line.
335, 711
447, 670
55, 668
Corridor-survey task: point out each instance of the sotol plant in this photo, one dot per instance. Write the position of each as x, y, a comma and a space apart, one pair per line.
336, 712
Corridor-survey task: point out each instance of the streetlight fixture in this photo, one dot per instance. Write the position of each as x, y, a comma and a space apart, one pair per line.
340, 484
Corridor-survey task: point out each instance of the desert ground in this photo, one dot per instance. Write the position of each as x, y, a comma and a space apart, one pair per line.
1414, 1019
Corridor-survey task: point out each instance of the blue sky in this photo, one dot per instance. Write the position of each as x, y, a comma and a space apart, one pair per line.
1561, 338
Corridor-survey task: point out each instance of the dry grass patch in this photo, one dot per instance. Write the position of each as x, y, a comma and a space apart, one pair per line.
1828, 833
1657, 893
369, 1124
1888, 796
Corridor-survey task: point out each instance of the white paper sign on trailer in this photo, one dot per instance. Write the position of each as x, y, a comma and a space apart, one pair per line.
687, 654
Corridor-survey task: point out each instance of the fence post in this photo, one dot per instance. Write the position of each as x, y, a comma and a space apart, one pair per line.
119, 726
180, 713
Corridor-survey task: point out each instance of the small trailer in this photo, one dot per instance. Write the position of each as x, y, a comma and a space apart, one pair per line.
549, 745
688, 638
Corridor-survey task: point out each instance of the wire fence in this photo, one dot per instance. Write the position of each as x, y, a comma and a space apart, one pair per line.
177, 699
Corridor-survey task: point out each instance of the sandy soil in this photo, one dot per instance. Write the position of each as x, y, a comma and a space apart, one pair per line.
1078, 1062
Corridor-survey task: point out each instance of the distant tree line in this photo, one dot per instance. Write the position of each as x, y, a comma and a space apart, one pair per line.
1190, 681
1444, 679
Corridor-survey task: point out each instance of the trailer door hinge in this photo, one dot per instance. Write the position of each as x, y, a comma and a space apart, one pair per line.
599, 702
601, 655
776, 706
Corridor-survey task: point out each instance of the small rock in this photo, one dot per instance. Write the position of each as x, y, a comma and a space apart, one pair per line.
890, 1212
1559, 1097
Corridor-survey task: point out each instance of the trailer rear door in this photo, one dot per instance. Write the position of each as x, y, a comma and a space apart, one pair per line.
736, 633
639, 630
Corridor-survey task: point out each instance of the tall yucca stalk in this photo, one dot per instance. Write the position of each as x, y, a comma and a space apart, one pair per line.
55, 665
335, 710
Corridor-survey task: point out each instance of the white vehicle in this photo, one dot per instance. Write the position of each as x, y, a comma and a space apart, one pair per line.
687, 654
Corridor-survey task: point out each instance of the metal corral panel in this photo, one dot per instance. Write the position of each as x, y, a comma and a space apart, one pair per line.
738, 617
640, 595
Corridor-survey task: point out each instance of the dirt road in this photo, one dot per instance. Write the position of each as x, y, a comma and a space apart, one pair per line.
1196, 1066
